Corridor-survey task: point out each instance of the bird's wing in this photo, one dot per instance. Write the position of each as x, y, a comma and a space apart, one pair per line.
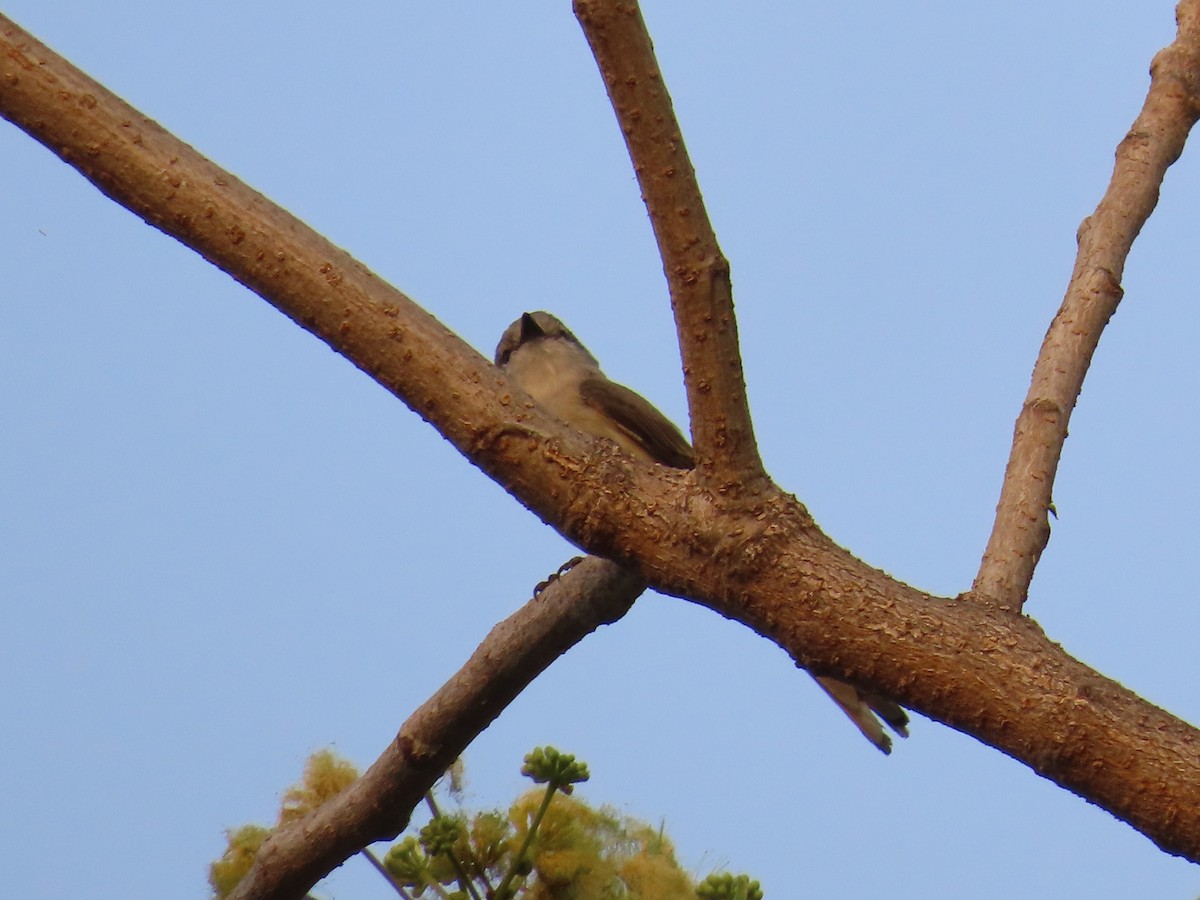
640, 421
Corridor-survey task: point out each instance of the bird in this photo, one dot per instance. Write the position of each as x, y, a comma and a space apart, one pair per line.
542, 357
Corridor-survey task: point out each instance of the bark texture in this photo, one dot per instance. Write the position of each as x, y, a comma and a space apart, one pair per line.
1153, 143
723, 536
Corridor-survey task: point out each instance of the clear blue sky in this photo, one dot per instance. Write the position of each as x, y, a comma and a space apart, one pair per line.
222, 547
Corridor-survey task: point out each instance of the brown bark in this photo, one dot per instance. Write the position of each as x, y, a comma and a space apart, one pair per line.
377, 806
697, 272
1153, 143
761, 560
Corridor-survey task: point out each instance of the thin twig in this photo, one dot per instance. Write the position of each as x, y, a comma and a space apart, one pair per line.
519, 856
1154, 142
375, 861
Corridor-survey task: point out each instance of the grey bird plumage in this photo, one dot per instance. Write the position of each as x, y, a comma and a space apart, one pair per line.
541, 355
548, 362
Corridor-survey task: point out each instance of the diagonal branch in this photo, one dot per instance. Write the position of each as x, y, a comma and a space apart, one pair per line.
984, 672
1155, 141
377, 806
319, 286
697, 272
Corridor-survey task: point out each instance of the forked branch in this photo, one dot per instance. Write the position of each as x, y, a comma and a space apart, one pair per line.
986, 673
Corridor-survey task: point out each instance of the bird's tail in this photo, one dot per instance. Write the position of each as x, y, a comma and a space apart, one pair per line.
866, 710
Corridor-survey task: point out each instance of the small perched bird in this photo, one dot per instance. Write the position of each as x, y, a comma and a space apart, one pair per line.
551, 366
549, 363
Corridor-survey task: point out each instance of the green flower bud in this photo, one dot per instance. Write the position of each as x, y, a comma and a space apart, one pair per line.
547, 765
441, 834
406, 863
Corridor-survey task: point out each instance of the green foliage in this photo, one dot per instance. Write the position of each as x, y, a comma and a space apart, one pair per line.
582, 853
724, 886
241, 848
546, 846
325, 776
408, 864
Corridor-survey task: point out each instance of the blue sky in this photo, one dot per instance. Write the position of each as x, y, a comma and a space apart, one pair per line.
224, 547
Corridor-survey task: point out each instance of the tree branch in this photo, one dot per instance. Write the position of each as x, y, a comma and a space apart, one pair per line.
1154, 142
982, 671
377, 806
141, 166
697, 272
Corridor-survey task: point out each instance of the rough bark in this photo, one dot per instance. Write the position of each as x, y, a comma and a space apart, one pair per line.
1153, 144
378, 805
753, 555
697, 272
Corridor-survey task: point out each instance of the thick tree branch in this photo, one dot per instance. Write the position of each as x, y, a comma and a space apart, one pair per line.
1155, 141
697, 272
377, 806
138, 164
985, 672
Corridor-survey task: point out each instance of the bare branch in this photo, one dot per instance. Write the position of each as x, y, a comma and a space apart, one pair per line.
377, 806
1155, 141
320, 287
696, 270
982, 671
